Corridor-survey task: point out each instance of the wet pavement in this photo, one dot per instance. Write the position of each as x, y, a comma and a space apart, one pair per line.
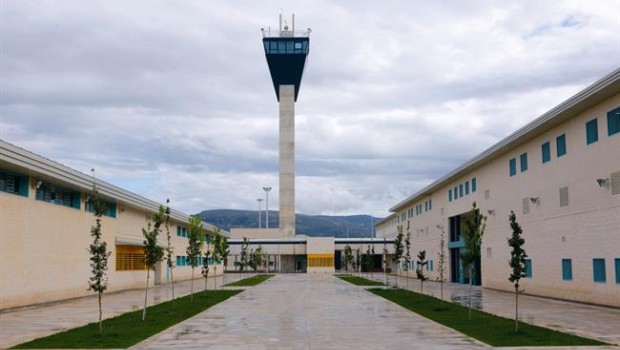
308, 312
299, 311
591, 321
23, 324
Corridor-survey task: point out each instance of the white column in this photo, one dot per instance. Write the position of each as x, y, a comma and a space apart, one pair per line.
287, 160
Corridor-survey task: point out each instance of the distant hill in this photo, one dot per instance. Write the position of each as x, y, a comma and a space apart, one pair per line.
311, 225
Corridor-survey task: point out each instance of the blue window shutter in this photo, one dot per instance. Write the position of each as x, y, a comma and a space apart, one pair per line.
561, 145
613, 122
617, 263
598, 270
546, 152
512, 166
591, 131
23, 184
474, 185
461, 190
456, 192
523, 161
466, 187
528, 268
76, 200
112, 210
567, 269
450, 195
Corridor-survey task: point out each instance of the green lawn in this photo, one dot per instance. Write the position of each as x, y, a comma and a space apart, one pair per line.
251, 281
128, 329
491, 329
358, 281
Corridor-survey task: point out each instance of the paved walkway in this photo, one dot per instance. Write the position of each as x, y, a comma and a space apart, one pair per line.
24, 324
602, 323
308, 312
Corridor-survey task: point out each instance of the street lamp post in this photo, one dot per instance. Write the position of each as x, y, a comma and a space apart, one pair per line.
259, 200
267, 189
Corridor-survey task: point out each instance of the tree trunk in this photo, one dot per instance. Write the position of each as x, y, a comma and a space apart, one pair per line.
407, 277
441, 288
146, 292
471, 284
100, 322
215, 274
516, 309
191, 288
172, 284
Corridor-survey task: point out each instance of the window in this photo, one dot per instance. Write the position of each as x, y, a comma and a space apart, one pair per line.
181, 231
450, 195
13, 183
523, 161
430, 204
466, 187
561, 145
617, 263
591, 131
613, 122
456, 192
567, 270
130, 258
461, 190
528, 268
110, 207
598, 270
473, 185
58, 195
546, 152
512, 165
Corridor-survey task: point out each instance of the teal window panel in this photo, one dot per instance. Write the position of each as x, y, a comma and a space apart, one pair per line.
561, 145
425, 205
111, 209
546, 152
456, 192
466, 188
178, 260
617, 266
598, 271
14, 183
528, 268
567, 269
613, 122
461, 190
591, 131
523, 162
450, 195
474, 185
512, 167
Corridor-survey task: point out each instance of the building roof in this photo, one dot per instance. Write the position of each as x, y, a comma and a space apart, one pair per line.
594, 94
37, 165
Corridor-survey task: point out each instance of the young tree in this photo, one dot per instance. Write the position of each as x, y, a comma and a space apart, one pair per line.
398, 250
442, 262
408, 254
244, 254
225, 251
420, 270
217, 252
205, 266
153, 253
348, 257
99, 253
517, 261
256, 258
169, 248
358, 261
194, 247
472, 236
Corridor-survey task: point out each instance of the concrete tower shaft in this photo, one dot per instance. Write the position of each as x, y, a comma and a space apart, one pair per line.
286, 52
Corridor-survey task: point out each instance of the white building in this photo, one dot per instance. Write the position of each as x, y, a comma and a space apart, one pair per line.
560, 174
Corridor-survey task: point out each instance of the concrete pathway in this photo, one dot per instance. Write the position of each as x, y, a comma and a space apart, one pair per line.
23, 324
308, 312
597, 322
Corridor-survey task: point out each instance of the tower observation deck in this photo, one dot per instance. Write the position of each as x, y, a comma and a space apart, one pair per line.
286, 51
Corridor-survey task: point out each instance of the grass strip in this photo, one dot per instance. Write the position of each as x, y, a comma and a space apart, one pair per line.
491, 329
128, 329
250, 281
359, 281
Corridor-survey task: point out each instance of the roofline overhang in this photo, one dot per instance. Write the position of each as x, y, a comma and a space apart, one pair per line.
601, 90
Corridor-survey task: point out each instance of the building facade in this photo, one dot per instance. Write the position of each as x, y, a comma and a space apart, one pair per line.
560, 174
45, 222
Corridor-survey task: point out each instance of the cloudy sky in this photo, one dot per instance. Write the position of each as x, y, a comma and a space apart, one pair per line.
173, 99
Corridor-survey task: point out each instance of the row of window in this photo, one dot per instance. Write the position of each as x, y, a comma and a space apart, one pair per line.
183, 260
412, 266
417, 210
599, 273
280, 46
462, 190
613, 126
